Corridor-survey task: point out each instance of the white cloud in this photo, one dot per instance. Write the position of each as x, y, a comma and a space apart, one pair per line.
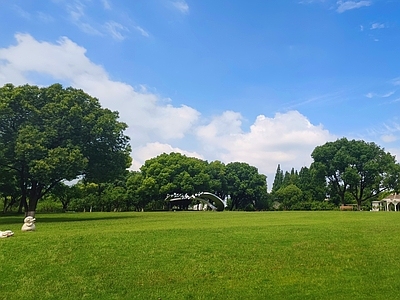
148, 118
181, 5
22, 13
76, 12
348, 5
370, 95
396, 81
377, 26
150, 150
395, 152
155, 125
388, 94
395, 100
311, 1
142, 31
115, 30
389, 138
287, 139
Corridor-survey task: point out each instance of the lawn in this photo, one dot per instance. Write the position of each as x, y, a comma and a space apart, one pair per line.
203, 255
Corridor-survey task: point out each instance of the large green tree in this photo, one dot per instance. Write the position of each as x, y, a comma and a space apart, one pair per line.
218, 184
312, 185
51, 134
278, 180
289, 196
357, 168
246, 187
174, 173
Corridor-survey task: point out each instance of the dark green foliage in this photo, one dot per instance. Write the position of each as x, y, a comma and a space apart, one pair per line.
312, 184
218, 182
356, 169
245, 186
289, 196
278, 180
174, 173
52, 134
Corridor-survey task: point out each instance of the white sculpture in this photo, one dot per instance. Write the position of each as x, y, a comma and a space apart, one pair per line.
29, 224
5, 234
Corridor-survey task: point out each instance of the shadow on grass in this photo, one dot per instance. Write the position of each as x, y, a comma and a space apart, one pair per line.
48, 218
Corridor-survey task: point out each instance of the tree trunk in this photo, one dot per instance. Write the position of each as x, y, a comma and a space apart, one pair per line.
30, 213
5, 204
359, 205
23, 204
34, 196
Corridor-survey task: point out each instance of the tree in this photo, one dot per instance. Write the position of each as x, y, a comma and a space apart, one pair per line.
52, 134
217, 172
278, 180
289, 196
246, 186
311, 184
357, 168
65, 194
174, 173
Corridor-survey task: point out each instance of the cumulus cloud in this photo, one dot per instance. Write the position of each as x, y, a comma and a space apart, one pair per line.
348, 5
395, 152
145, 113
388, 138
287, 139
150, 150
155, 124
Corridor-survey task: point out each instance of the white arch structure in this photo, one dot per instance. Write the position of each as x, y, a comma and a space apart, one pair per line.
384, 204
213, 201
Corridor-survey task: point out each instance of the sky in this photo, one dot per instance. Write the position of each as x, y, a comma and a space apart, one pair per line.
261, 82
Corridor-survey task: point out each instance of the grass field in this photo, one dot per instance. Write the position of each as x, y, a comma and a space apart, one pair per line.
203, 255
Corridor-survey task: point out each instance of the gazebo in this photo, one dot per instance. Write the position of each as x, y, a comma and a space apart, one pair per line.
387, 203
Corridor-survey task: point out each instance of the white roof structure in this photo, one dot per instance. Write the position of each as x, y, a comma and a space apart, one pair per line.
385, 203
215, 202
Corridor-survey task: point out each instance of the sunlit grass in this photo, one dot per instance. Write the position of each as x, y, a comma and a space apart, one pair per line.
203, 255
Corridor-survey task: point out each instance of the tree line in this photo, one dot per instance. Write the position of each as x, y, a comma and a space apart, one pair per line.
52, 135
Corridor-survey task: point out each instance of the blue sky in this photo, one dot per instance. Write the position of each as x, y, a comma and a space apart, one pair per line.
263, 82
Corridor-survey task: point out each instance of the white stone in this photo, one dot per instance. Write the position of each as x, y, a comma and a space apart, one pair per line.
29, 224
5, 234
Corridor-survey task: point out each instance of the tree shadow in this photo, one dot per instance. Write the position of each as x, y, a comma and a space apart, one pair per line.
19, 219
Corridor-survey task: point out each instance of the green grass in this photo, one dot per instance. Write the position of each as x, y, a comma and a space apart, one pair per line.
203, 255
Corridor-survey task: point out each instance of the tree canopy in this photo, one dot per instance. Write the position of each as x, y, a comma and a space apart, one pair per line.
356, 168
51, 134
246, 187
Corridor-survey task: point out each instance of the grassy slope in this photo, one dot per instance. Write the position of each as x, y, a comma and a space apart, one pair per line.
203, 255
